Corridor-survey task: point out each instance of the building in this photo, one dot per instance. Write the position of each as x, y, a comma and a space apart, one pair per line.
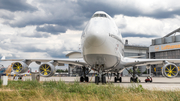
167, 47
135, 50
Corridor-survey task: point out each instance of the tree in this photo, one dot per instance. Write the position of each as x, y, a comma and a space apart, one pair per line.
145, 72
138, 71
130, 70
59, 71
66, 70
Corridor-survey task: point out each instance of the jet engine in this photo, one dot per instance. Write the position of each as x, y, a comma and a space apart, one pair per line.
170, 70
47, 69
20, 67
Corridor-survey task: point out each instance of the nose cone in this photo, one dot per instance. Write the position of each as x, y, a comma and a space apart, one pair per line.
95, 37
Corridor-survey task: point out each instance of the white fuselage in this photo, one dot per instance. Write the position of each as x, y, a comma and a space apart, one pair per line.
102, 44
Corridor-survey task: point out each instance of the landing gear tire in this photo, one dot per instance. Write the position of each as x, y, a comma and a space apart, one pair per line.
103, 79
120, 79
131, 80
115, 79
96, 79
81, 79
86, 79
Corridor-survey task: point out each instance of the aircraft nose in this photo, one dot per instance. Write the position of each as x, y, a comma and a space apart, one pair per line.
95, 37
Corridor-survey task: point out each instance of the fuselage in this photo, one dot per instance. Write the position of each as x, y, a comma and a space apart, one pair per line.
101, 41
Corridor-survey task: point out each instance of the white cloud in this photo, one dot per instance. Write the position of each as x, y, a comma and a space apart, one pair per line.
20, 38
147, 25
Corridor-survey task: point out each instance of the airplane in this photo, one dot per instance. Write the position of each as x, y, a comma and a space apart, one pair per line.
102, 50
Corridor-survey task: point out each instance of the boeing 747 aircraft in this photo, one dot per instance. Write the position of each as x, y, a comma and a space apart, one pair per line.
102, 51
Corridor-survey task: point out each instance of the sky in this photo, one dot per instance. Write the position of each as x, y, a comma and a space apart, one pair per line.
52, 28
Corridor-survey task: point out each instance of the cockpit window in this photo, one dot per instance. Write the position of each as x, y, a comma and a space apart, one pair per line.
100, 15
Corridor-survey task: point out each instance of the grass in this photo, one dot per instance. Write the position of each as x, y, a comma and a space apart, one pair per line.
60, 91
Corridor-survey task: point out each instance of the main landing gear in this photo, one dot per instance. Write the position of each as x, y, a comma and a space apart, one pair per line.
84, 77
134, 77
117, 78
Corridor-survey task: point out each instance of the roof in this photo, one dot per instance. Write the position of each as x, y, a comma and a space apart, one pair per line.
173, 32
135, 46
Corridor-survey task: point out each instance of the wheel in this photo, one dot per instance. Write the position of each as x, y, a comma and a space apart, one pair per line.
81, 79
151, 80
145, 81
115, 79
103, 79
131, 79
96, 79
86, 79
120, 79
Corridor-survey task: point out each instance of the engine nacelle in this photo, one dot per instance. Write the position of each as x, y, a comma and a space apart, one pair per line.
20, 67
47, 69
170, 70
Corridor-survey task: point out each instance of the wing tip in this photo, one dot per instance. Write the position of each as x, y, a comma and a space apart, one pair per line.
3, 58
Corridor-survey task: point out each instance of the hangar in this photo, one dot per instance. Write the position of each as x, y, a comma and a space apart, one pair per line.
135, 50
167, 47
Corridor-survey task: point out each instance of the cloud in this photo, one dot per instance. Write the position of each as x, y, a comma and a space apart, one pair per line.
55, 46
66, 17
124, 35
16, 5
53, 29
72, 14
7, 15
146, 26
35, 35
135, 8
45, 29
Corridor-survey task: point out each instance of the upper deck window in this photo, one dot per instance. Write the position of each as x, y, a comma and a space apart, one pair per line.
100, 15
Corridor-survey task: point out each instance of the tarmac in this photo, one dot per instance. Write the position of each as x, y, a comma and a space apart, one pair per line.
159, 83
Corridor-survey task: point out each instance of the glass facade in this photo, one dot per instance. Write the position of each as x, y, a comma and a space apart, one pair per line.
172, 54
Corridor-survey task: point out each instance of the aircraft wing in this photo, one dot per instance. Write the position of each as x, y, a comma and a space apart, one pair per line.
129, 62
78, 61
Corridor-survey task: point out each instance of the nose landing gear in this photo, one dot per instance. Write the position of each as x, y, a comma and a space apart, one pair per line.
101, 79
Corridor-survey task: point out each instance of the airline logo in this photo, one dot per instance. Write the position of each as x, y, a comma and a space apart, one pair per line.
170, 47
164, 47
156, 48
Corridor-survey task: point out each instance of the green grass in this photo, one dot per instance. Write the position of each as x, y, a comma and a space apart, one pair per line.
60, 91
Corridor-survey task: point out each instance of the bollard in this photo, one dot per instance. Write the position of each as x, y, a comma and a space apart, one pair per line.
35, 76
5, 80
